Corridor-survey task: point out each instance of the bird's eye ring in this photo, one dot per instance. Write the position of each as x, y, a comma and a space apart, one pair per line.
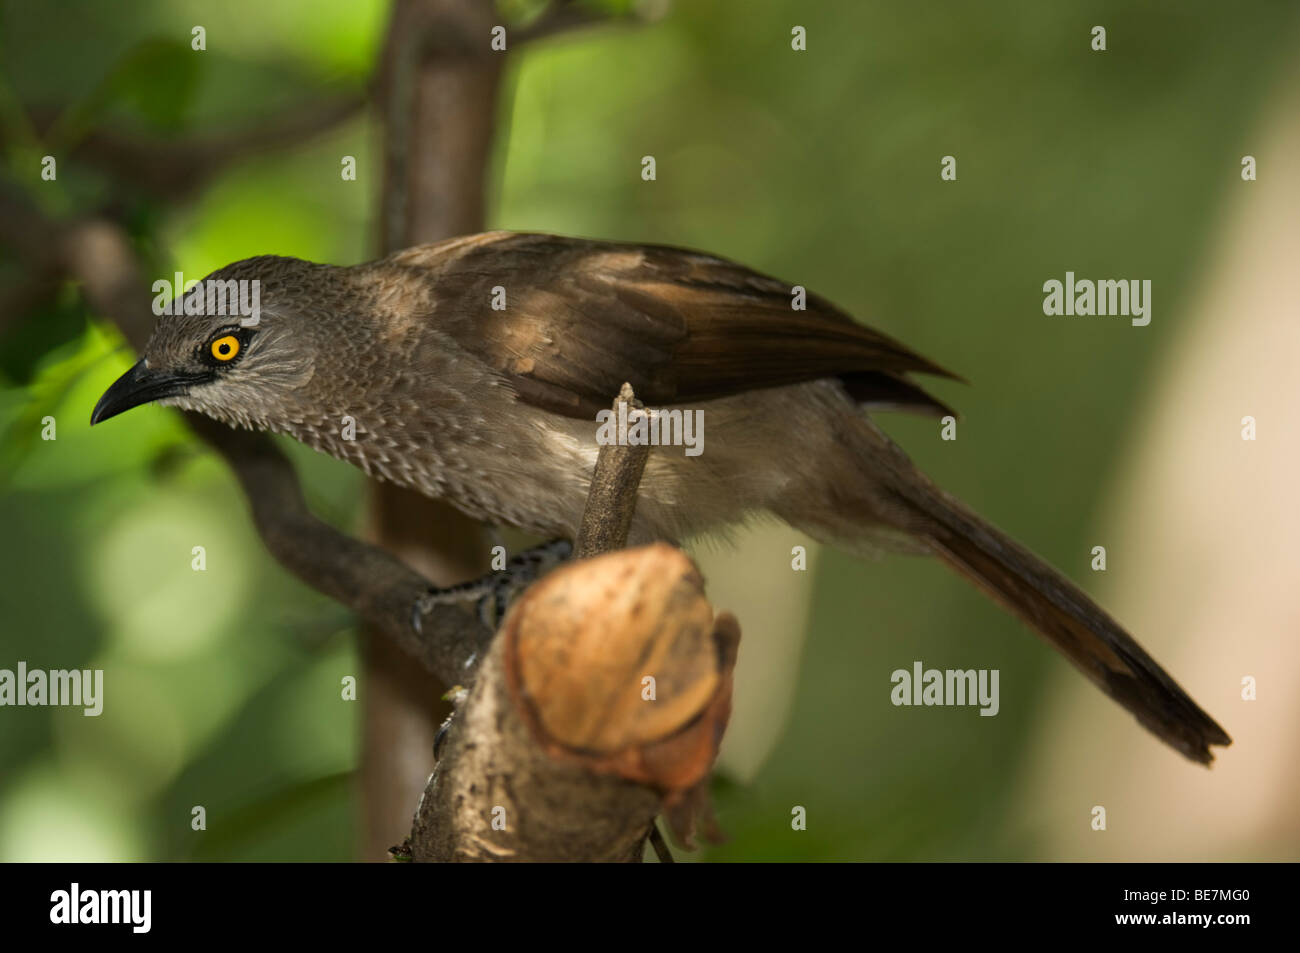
225, 348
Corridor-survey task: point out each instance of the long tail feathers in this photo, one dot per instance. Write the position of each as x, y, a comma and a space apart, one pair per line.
1062, 614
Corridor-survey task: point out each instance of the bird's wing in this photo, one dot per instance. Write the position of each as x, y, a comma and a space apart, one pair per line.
581, 317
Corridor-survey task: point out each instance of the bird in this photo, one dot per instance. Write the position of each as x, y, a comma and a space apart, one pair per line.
475, 369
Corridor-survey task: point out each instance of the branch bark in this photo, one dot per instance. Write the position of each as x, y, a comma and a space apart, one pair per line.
600, 705
607, 517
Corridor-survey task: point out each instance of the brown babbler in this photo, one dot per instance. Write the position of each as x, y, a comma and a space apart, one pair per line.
474, 370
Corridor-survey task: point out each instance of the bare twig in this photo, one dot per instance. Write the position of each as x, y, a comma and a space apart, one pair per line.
611, 501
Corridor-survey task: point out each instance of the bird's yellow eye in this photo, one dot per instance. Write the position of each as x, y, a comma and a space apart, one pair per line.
225, 347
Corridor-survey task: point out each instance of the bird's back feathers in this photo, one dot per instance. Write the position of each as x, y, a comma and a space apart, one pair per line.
582, 317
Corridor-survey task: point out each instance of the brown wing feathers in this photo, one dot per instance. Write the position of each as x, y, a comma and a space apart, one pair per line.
583, 317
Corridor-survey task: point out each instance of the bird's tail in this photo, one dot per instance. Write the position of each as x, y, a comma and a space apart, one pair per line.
1067, 618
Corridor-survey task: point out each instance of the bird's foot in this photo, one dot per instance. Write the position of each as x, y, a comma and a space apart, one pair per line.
493, 593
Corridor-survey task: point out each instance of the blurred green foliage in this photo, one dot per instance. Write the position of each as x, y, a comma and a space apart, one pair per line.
821, 167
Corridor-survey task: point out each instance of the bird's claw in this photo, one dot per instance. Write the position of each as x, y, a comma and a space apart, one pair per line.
493, 593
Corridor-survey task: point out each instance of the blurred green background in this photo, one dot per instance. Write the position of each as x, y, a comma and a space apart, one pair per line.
821, 167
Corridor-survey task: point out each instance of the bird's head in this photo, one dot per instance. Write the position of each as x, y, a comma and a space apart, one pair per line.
237, 347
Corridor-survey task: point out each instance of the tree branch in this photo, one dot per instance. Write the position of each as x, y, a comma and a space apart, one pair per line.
600, 705
611, 501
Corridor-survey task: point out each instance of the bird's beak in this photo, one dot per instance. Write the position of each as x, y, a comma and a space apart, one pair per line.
138, 386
